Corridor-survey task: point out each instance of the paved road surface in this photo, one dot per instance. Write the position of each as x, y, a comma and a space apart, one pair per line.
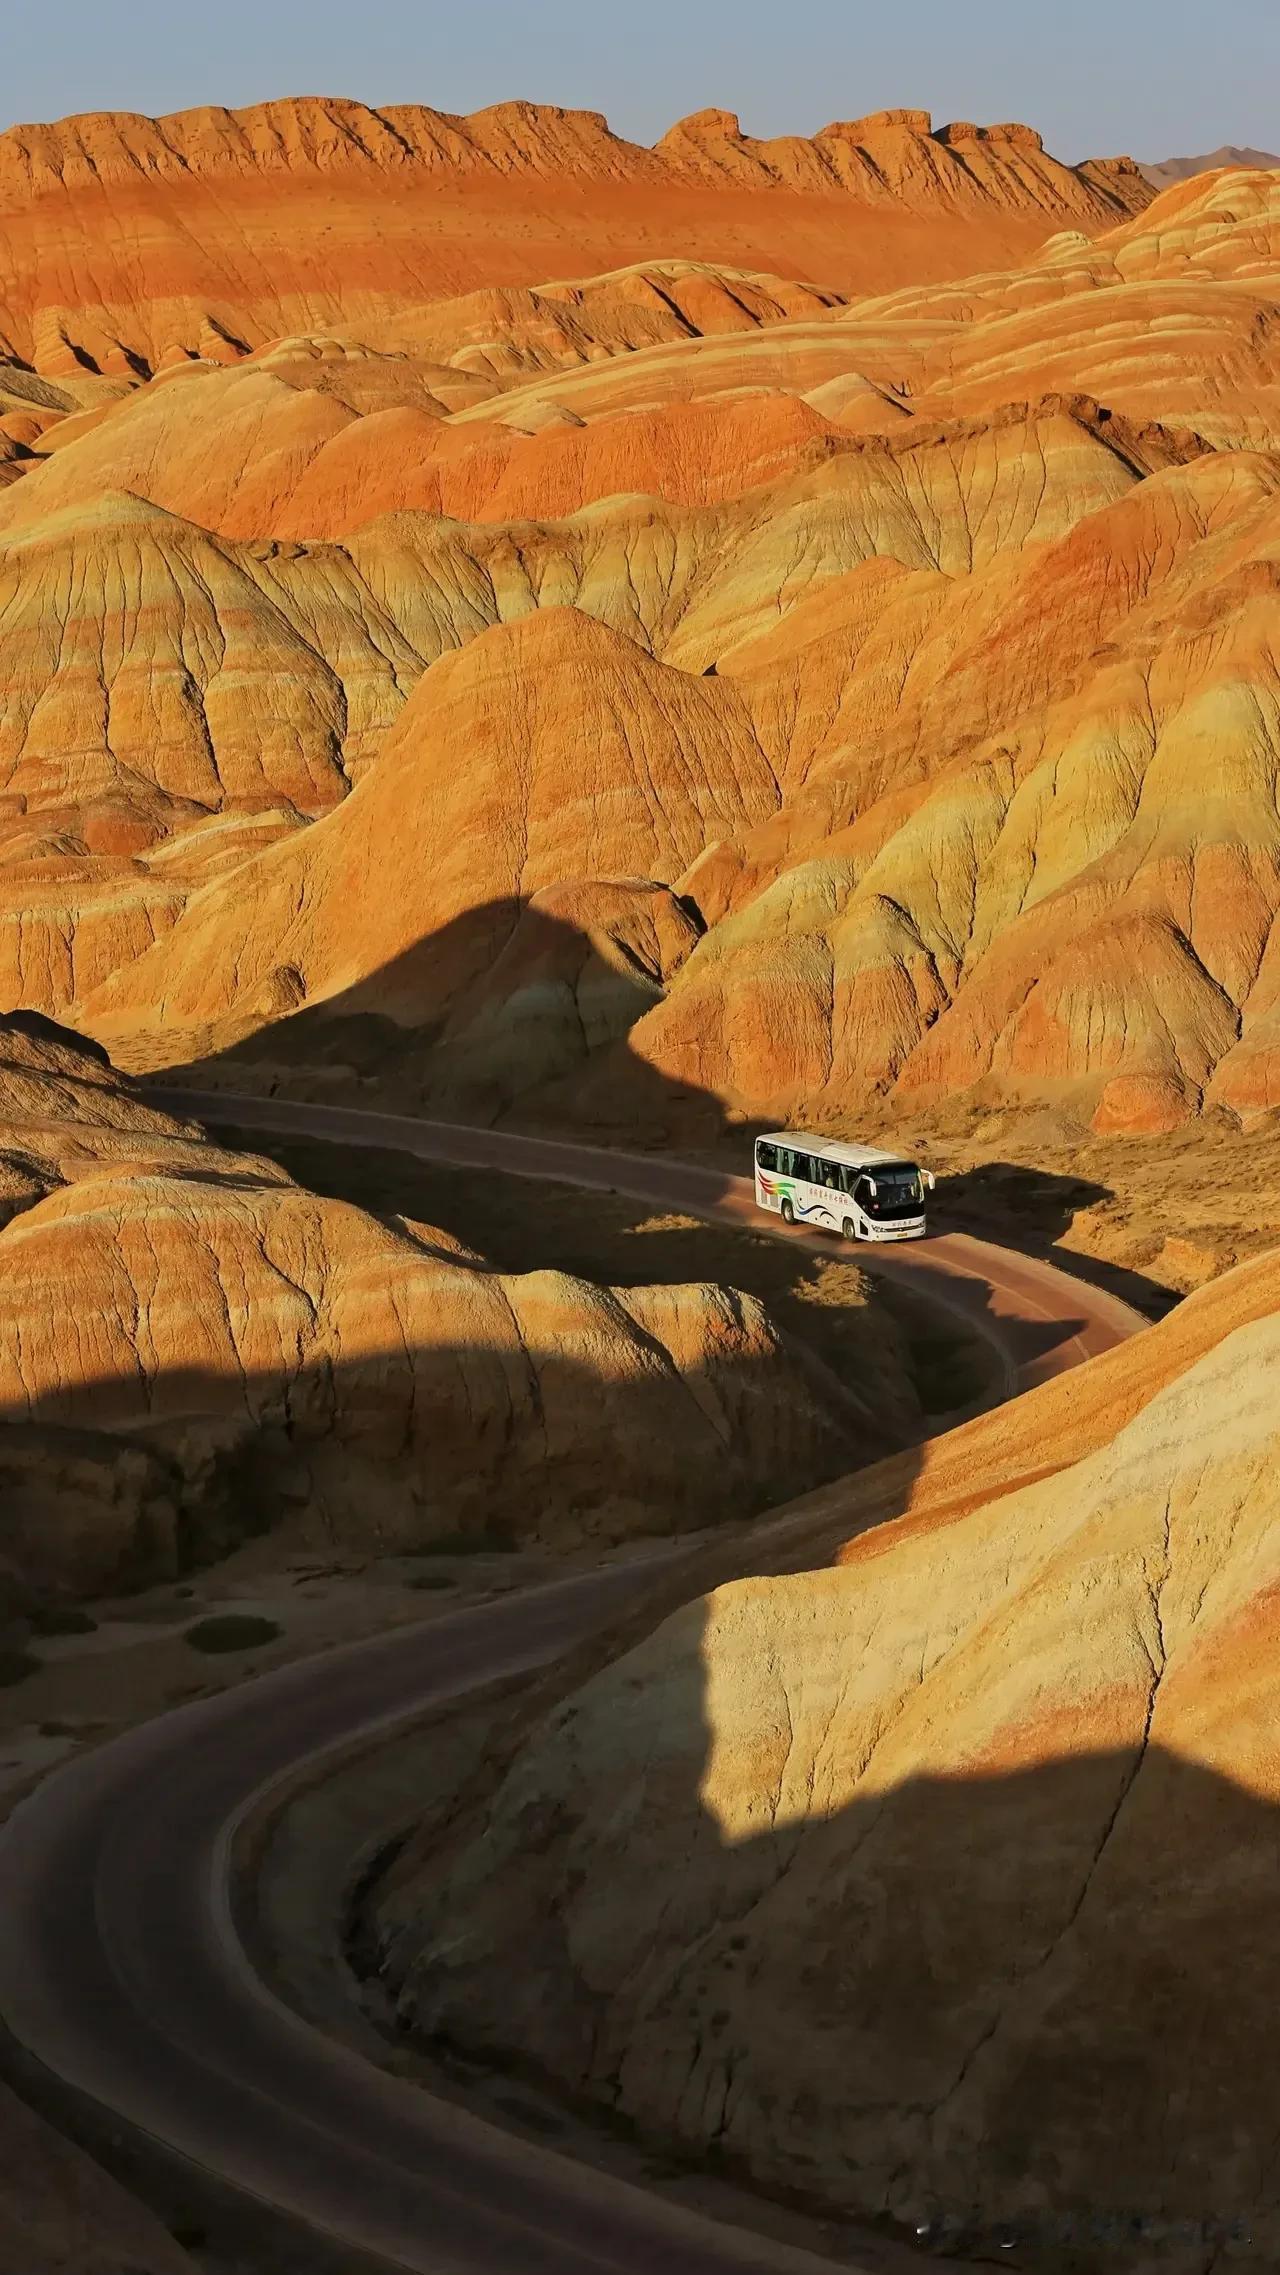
120, 1966
1037, 1320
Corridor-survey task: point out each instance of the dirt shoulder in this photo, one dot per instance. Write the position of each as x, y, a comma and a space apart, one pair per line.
1152, 1218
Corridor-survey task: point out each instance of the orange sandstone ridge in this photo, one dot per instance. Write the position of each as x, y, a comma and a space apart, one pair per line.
125, 241
734, 690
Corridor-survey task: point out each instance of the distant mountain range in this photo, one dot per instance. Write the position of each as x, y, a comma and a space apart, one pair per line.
1181, 169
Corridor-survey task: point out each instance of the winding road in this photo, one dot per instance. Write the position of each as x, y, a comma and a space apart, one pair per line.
121, 1969
1035, 1320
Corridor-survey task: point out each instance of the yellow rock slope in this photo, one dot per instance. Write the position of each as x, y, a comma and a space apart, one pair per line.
957, 1855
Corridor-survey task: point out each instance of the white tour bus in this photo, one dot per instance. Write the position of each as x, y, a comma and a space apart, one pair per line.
853, 1189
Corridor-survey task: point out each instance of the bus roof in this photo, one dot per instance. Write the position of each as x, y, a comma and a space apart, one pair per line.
834, 1149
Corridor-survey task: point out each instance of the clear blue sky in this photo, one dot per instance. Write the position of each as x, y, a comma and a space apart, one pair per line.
1156, 78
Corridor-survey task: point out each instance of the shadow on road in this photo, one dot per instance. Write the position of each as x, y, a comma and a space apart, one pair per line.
1033, 1210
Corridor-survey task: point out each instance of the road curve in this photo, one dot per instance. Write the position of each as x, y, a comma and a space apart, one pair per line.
1037, 1320
122, 1973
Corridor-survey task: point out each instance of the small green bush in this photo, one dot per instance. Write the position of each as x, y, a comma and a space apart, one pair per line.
232, 1631
432, 1580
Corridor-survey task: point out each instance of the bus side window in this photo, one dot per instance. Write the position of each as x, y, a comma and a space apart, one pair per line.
802, 1168
767, 1156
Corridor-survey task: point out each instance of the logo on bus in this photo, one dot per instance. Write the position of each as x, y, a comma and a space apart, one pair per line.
783, 1187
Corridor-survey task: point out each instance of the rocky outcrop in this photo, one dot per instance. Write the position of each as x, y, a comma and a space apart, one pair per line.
82, 1507
213, 1351
905, 673
1172, 345
64, 1109
994, 883
52, 1074
955, 1900
194, 1348
550, 749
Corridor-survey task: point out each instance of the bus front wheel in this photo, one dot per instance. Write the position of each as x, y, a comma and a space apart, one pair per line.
788, 1213
849, 1229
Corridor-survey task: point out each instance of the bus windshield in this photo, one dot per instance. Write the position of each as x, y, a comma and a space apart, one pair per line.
898, 1191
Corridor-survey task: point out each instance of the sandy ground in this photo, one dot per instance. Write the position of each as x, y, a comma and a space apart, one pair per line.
137, 1660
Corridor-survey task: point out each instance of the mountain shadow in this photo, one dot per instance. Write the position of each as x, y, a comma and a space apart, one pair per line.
501, 1008
1033, 1209
373, 1382
516, 1015
495, 1020
1022, 2016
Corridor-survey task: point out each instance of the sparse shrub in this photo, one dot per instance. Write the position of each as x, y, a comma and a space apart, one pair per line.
232, 1631
15, 1666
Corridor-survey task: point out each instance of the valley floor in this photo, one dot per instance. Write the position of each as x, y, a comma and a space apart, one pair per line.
116, 1661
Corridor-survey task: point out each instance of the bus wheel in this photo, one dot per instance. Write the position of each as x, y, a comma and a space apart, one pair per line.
788, 1213
849, 1229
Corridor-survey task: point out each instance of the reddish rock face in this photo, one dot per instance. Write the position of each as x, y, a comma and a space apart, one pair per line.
913, 651
127, 240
